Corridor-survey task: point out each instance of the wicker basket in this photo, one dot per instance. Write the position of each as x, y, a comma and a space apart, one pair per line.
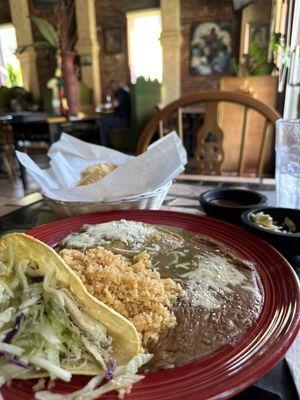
151, 200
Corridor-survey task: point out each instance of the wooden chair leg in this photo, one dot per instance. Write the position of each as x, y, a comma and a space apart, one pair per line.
8, 168
23, 176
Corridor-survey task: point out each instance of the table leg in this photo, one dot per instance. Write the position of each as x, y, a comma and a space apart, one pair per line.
54, 130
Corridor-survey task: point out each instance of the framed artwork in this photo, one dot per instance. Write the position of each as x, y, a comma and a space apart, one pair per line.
45, 4
210, 48
239, 4
257, 32
112, 40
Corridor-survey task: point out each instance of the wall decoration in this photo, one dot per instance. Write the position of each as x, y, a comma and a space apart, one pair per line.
239, 4
210, 48
257, 32
45, 4
112, 40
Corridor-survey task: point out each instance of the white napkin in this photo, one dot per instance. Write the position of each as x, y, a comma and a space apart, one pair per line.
161, 163
293, 359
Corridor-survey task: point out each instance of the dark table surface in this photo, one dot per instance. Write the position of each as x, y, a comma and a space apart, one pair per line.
277, 384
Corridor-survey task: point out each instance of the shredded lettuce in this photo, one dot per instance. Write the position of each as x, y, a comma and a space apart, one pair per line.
5, 293
123, 379
6, 264
27, 303
92, 349
20, 268
43, 329
54, 369
11, 348
2, 381
10, 371
54, 294
6, 315
134, 364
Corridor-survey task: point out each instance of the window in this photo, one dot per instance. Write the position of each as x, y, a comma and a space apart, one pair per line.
144, 48
10, 70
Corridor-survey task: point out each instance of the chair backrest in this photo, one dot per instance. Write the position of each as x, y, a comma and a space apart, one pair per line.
208, 154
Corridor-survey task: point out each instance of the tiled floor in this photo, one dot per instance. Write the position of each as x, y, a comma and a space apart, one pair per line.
12, 192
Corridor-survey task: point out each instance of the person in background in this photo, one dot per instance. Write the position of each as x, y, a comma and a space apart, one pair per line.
120, 99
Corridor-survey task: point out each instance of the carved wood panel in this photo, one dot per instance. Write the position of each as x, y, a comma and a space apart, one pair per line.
209, 154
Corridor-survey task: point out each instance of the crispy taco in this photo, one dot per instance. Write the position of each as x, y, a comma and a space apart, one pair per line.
49, 324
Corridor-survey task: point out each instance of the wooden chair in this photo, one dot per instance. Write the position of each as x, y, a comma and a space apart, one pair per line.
208, 154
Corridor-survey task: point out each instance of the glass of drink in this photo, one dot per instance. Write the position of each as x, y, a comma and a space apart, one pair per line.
288, 163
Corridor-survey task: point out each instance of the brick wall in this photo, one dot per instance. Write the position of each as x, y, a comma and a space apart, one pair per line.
4, 12
201, 11
111, 14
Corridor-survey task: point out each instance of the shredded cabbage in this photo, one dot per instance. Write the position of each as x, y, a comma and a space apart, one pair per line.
5, 293
6, 315
11, 348
20, 268
51, 333
5, 265
42, 328
54, 370
124, 377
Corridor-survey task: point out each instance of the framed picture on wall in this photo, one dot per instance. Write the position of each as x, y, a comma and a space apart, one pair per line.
239, 4
210, 48
257, 32
112, 40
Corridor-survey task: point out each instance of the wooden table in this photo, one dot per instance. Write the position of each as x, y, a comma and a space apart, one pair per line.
183, 196
41, 130
54, 124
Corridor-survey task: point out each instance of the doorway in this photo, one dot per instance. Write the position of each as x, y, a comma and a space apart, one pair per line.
144, 47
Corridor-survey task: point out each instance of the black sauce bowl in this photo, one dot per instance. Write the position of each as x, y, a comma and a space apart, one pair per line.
229, 204
287, 243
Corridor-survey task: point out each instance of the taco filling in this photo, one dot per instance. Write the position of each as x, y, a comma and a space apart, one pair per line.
51, 326
44, 329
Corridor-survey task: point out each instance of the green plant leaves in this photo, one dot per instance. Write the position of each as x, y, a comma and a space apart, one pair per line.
47, 31
38, 45
263, 69
233, 66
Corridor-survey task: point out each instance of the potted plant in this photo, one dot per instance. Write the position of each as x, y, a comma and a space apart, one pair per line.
60, 40
255, 63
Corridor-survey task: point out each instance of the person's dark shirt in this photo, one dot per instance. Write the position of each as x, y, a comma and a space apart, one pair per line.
123, 109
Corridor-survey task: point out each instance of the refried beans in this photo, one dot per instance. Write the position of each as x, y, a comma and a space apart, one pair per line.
221, 297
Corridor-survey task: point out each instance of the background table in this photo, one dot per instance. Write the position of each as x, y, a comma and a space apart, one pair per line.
183, 196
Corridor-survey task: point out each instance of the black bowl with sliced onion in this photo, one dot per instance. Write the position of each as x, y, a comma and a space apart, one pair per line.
278, 226
229, 204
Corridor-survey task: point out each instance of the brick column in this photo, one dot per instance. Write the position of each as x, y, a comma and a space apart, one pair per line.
88, 47
19, 13
171, 46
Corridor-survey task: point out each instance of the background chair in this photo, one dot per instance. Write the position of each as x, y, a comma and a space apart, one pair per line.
205, 134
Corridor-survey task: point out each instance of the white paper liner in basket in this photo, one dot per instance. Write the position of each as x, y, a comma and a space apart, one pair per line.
135, 176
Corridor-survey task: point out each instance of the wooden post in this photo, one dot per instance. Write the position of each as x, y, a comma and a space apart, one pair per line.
171, 46
88, 47
19, 13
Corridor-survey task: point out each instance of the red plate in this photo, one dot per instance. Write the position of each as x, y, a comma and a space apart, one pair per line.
229, 370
